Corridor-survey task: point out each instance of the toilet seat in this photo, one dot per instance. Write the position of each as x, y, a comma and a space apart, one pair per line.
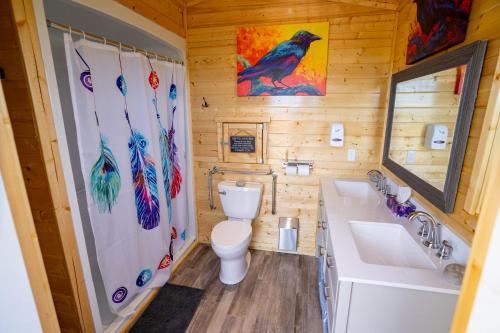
230, 234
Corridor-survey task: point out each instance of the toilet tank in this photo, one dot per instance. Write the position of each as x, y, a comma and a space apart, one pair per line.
240, 200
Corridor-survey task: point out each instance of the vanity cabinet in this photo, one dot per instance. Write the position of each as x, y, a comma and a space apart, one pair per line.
333, 292
356, 307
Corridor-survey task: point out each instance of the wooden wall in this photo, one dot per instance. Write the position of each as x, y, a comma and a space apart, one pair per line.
359, 64
35, 166
430, 99
483, 25
170, 14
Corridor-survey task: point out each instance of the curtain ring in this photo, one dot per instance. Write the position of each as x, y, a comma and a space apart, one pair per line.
84, 36
156, 56
134, 49
70, 31
105, 41
120, 46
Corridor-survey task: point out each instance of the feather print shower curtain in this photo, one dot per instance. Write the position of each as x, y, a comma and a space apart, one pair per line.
129, 115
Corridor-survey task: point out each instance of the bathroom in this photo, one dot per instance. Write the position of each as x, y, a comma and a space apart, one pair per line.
289, 200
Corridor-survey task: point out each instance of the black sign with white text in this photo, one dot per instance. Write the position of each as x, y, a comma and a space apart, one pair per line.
242, 144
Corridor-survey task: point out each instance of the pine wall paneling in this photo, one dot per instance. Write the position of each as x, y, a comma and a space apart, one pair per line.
359, 62
170, 14
483, 24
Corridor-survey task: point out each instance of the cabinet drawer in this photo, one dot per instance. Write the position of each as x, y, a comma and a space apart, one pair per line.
330, 300
330, 264
321, 254
321, 236
333, 281
331, 269
322, 229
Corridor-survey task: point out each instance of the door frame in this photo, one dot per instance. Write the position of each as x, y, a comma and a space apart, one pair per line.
10, 171
37, 54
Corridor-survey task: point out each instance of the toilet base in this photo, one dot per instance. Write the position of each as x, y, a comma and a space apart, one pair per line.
233, 271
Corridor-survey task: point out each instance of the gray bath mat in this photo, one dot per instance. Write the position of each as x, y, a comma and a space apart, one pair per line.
171, 311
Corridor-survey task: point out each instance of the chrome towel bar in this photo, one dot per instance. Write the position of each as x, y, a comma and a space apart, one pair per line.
222, 171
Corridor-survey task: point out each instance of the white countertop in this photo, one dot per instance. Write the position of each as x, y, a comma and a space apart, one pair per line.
341, 210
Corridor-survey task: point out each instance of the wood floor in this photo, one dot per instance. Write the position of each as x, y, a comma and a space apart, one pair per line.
279, 294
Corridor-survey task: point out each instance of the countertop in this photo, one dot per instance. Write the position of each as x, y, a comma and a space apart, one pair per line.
341, 210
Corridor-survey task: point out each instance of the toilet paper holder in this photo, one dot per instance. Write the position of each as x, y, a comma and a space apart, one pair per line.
297, 163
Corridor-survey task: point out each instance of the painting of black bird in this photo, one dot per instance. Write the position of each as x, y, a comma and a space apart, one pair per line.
281, 60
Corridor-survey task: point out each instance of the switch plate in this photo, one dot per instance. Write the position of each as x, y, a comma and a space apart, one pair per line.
351, 155
411, 157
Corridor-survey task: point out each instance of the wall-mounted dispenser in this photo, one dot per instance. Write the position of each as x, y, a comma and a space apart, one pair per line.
337, 135
436, 136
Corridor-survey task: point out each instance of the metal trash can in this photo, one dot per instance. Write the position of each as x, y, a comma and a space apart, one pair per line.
289, 229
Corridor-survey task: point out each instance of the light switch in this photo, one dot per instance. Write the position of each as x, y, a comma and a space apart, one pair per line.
351, 155
411, 157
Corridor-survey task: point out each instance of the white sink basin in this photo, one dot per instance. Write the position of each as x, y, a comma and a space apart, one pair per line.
388, 244
355, 189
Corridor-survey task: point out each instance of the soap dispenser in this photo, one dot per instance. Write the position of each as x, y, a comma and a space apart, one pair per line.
436, 136
337, 135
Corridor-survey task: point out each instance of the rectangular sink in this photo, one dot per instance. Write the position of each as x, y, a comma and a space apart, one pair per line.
355, 189
388, 244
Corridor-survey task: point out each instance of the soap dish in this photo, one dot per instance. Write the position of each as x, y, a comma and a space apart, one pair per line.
454, 274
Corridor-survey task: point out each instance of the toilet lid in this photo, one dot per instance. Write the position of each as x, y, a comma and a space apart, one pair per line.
230, 233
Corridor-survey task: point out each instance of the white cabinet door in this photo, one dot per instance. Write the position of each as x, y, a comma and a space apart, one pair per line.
322, 232
330, 299
381, 309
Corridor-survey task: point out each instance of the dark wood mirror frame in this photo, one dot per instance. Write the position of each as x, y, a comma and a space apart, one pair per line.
472, 56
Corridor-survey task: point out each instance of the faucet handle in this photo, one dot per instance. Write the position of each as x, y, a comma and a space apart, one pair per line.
445, 251
387, 190
424, 229
374, 175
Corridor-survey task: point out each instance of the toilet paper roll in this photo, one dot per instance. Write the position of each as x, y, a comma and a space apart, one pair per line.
291, 170
303, 170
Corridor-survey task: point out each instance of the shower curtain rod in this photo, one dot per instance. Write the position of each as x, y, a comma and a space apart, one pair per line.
88, 35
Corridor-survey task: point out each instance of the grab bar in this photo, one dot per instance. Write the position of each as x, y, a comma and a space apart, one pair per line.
222, 171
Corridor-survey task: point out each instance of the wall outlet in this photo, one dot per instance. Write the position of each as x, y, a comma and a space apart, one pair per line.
351, 155
411, 157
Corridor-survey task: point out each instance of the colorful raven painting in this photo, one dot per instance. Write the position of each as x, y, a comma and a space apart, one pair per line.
439, 24
283, 60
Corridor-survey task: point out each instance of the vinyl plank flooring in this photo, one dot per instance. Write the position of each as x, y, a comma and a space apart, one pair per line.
279, 294
232, 324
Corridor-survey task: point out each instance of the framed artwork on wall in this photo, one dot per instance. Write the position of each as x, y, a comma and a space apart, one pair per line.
282, 60
439, 24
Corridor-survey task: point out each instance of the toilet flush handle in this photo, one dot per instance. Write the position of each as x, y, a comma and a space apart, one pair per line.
222, 192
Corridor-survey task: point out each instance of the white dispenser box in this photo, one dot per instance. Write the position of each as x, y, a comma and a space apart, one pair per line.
337, 135
436, 136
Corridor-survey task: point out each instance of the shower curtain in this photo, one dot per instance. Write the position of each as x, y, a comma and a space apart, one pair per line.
131, 129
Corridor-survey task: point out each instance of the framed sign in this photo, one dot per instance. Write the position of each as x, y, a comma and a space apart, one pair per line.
242, 144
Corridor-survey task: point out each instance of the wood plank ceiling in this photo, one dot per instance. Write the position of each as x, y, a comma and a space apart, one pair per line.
381, 4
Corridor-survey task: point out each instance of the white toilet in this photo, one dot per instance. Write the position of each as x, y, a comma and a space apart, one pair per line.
230, 238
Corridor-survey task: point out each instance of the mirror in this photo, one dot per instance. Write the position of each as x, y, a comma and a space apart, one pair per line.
425, 115
430, 111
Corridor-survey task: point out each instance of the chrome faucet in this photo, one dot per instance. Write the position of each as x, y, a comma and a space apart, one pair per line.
430, 229
377, 177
